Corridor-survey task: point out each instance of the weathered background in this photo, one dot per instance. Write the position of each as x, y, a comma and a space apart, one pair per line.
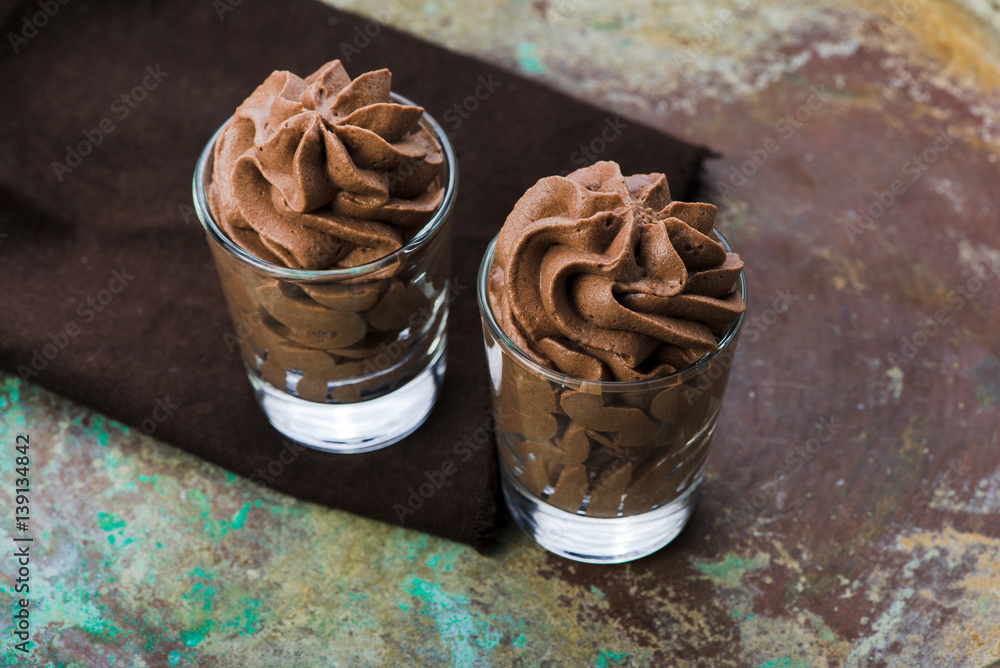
850, 514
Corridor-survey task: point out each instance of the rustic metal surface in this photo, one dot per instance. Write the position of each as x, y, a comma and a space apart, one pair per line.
850, 515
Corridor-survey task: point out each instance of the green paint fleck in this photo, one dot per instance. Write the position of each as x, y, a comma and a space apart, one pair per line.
193, 637
730, 571
415, 547
109, 522
231, 477
527, 55
240, 518
10, 387
202, 593
103, 630
784, 663
98, 429
174, 658
248, 622
597, 592
459, 630
520, 641
445, 561
602, 660
403, 606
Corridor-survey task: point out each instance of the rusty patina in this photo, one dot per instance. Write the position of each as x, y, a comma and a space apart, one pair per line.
850, 513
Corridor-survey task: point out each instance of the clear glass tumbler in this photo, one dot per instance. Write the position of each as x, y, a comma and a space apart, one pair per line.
342, 360
601, 472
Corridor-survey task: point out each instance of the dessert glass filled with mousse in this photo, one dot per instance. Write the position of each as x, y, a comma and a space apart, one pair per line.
611, 315
327, 204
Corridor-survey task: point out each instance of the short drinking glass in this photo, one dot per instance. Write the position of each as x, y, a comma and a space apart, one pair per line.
601, 472
343, 360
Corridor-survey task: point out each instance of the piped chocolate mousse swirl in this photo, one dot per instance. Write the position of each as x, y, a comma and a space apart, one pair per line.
601, 276
325, 172
321, 173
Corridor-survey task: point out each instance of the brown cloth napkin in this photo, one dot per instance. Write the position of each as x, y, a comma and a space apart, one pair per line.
108, 294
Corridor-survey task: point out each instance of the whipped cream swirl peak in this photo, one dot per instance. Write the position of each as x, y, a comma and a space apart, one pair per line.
325, 172
601, 276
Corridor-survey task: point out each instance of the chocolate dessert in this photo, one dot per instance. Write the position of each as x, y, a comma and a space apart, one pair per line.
617, 293
331, 173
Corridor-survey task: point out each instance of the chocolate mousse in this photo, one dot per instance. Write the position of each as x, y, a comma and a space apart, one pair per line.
602, 278
330, 172
325, 172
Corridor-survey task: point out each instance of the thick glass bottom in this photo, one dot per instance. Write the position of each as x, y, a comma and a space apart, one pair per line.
596, 540
356, 427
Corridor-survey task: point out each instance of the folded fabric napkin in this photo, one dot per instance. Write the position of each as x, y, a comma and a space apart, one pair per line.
108, 294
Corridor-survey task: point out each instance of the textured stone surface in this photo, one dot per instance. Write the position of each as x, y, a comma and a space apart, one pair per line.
874, 544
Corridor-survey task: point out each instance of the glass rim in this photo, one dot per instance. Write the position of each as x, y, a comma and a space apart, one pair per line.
660, 382
423, 235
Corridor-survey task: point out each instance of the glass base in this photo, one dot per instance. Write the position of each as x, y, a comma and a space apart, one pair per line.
596, 540
358, 427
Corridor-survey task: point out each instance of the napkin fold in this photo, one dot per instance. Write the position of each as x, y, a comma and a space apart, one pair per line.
108, 294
